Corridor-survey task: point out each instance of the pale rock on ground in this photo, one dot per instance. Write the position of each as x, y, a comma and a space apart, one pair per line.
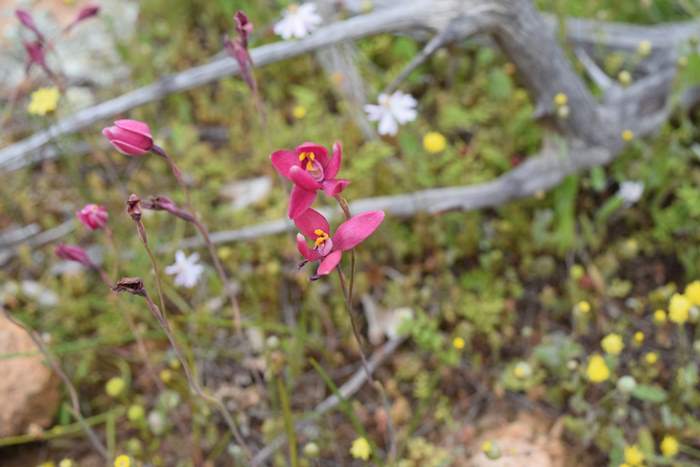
29, 390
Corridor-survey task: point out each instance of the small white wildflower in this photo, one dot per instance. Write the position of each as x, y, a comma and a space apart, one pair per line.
298, 21
630, 192
393, 110
186, 269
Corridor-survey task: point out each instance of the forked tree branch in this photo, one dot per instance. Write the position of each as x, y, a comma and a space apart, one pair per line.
389, 17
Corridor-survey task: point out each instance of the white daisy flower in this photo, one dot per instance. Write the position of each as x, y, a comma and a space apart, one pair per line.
186, 269
298, 21
630, 191
392, 111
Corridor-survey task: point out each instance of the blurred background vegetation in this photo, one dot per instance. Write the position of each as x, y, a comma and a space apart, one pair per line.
531, 287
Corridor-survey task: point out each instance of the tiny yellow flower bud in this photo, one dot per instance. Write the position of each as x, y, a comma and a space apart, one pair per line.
561, 99
669, 446
644, 48
434, 142
612, 344
299, 112
597, 370
679, 308
659, 316
634, 456
692, 292
583, 307
361, 449
624, 77
122, 461
115, 386
639, 337
166, 375
135, 413
458, 343
627, 135
682, 61
651, 358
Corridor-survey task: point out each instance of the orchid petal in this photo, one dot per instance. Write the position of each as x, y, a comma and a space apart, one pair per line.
309, 221
303, 178
329, 263
333, 166
334, 187
299, 201
134, 126
284, 160
355, 230
304, 250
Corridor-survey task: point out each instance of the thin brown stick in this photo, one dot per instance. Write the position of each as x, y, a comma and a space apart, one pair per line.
72, 392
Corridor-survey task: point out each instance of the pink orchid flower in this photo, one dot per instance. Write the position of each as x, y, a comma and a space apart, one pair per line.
327, 248
238, 49
36, 56
310, 169
130, 137
93, 216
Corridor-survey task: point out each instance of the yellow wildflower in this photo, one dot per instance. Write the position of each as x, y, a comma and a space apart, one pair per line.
659, 316
597, 370
612, 344
678, 308
692, 292
299, 112
644, 48
561, 99
434, 142
43, 101
627, 135
66, 463
639, 337
122, 461
669, 446
361, 449
458, 343
634, 456
583, 306
651, 358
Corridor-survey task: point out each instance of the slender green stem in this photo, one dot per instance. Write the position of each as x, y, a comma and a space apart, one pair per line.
193, 384
288, 422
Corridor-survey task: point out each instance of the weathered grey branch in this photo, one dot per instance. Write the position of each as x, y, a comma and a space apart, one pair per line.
409, 15
350, 387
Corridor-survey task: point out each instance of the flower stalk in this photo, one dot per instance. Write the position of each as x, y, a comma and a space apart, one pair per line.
135, 286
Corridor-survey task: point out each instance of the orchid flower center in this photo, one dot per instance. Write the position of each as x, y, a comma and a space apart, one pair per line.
323, 243
312, 165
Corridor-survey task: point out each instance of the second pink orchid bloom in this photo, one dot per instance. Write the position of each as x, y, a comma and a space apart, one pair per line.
328, 249
310, 169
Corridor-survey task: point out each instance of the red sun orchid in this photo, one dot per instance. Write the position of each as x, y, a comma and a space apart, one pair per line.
27, 21
130, 137
328, 249
93, 216
310, 169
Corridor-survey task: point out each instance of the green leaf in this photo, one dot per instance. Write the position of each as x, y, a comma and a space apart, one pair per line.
647, 393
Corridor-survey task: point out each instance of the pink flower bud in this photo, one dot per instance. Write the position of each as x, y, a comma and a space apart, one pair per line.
93, 216
86, 12
74, 253
130, 137
243, 26
27, 21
